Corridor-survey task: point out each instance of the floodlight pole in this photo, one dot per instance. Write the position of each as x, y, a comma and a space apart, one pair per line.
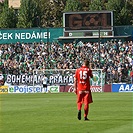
48, 39
99, 44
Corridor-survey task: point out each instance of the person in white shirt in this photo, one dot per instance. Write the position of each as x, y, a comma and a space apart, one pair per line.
44, 82
1, 78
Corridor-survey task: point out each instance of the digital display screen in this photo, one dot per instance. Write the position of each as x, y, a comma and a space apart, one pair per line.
88, 21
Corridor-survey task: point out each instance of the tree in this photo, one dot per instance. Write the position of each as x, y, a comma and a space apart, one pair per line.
73, 5
47, 14
85, 5
59, 6
52, 13
29, 15
96, 5
122, 15
130, 8
8, 18
1, 6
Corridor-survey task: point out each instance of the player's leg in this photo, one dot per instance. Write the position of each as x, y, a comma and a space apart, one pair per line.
87, 100
45, 88
79, 104
86, 106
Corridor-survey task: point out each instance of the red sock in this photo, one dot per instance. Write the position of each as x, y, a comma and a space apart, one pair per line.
79, 105
86, 109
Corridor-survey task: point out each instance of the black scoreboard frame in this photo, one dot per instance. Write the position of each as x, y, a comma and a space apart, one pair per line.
88, 21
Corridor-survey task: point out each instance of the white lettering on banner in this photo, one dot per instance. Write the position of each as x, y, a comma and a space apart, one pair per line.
39, 35
23, 79
28, 35
23, 35
18, 78
33, 35
37, 79
66, 79
126, 88
10, 36
45, 35
55, 79
17, 36
13, 78
8, 78
6, 36
61, 79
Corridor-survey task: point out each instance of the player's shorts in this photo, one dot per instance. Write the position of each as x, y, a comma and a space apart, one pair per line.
84, 97
44, 85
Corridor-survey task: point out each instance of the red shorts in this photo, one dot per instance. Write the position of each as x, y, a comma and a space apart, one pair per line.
84, 97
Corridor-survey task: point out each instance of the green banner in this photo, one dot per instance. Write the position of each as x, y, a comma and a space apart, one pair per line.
98, 79
29, 35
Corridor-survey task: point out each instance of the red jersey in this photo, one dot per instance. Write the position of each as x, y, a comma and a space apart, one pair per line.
82, 76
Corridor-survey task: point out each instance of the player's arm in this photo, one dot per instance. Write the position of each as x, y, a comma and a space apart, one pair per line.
75, 85
90, 66
91, 74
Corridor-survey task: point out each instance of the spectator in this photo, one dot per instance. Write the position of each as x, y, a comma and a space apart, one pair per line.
1, 78
131, 75
115, 57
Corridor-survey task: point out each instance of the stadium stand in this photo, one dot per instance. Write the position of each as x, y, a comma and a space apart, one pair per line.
116, 58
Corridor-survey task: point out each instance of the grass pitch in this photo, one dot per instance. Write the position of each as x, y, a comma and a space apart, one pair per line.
57, 113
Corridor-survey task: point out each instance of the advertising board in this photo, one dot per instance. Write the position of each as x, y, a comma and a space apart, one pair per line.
122, 87
25, 89
96, 89
53, 89
32, 89
70, 88
3, 89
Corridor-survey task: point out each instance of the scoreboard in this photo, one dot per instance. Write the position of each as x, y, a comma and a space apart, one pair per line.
91, 33
88, 23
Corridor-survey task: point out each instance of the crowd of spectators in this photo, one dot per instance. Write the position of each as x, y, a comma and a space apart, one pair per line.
116, 57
